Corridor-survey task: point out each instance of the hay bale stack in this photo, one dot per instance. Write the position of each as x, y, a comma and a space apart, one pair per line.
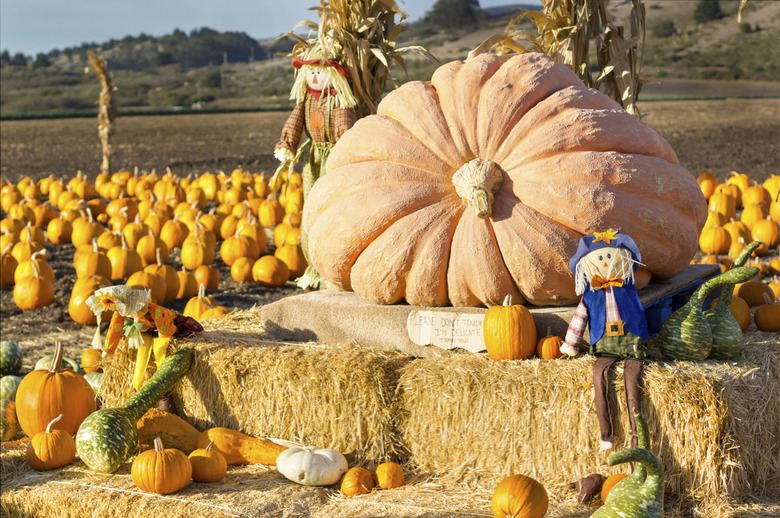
332, 396
714, 425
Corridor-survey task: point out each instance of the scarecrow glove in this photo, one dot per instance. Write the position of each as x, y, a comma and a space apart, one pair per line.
570, 350
283, 154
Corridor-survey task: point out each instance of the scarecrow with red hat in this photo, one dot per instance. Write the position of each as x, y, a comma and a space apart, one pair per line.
324, 110
603, 268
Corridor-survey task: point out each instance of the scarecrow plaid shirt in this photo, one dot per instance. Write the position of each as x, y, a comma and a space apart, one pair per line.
580, 320
341, 119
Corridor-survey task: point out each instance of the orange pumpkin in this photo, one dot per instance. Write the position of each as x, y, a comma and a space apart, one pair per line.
489, 192
767, 316
270, 271
357, 481
753, 293
43, 394
519, 496
33, 291
549, 347
389, 475
509, 331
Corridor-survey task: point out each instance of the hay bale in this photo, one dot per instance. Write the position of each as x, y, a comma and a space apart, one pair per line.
335, 396
714, 425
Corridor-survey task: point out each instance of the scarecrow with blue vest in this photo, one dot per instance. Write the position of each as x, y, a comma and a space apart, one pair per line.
603, 268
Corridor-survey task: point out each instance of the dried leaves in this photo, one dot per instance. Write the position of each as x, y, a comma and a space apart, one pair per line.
107, 110
566, 29
366, 31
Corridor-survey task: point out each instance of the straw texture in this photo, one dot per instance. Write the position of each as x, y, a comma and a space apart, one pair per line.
458, 424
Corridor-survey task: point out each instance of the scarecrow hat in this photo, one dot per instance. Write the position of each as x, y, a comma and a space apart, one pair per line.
316, 56
610, 238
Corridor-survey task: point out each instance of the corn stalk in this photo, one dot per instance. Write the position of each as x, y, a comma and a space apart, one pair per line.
367, 32
565, 30
107, 111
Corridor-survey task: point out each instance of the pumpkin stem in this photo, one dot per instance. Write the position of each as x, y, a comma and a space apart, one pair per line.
158, 445
159, 257
48, 427
201, 291
767, 298
59, 352
507, 301
475, 182
210, 445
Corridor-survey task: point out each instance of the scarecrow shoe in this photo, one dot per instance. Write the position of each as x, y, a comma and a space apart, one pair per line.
588, 487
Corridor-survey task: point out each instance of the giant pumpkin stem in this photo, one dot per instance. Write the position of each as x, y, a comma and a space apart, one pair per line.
475, 182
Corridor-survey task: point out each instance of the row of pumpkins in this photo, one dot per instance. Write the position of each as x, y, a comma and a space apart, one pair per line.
125, 226
193, 455
741, 211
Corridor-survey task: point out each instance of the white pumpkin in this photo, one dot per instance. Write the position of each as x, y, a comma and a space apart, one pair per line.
312, 466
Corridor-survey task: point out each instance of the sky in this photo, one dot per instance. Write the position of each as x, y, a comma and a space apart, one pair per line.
33, 26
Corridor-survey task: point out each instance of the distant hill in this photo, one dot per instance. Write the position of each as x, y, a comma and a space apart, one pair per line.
225, 71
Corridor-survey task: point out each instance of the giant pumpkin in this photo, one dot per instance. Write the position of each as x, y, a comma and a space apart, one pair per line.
480, 183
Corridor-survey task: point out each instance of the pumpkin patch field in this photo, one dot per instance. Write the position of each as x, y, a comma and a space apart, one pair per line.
194, 214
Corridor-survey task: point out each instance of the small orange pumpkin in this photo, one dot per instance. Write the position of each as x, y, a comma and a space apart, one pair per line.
208, 465
357, 481
767, 316
161, 470
519, 496
549, 347
509, 331
389, 475
51, 449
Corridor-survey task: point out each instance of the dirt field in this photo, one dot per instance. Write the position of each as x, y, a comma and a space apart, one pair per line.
722, 136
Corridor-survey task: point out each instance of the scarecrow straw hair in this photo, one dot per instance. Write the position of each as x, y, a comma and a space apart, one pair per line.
465, 421
107, 111
565, 30
366, 31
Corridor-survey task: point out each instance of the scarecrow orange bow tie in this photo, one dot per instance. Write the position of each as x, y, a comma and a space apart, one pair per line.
598, 282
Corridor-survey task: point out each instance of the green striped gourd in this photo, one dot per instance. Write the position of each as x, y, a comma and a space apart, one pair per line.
108, 438
10, 358
726, 333
8, 386
686, 334
646, 500
634, 481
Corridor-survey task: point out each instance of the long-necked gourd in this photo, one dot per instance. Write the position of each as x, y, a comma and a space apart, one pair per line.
686, 334
646, 500
107, 438
634, 481
726, 333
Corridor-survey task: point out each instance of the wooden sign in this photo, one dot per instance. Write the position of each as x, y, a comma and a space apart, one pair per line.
446, 329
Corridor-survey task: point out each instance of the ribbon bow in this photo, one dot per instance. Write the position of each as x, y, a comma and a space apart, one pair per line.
598, 282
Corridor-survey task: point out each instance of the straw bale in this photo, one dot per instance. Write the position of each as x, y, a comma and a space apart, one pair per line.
335, 396
714, 425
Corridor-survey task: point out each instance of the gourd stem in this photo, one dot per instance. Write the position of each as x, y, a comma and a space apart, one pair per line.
48, 426
647, 459
732, 276
59, 352
724, 302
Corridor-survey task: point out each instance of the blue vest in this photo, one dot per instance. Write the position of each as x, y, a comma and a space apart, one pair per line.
629, 307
